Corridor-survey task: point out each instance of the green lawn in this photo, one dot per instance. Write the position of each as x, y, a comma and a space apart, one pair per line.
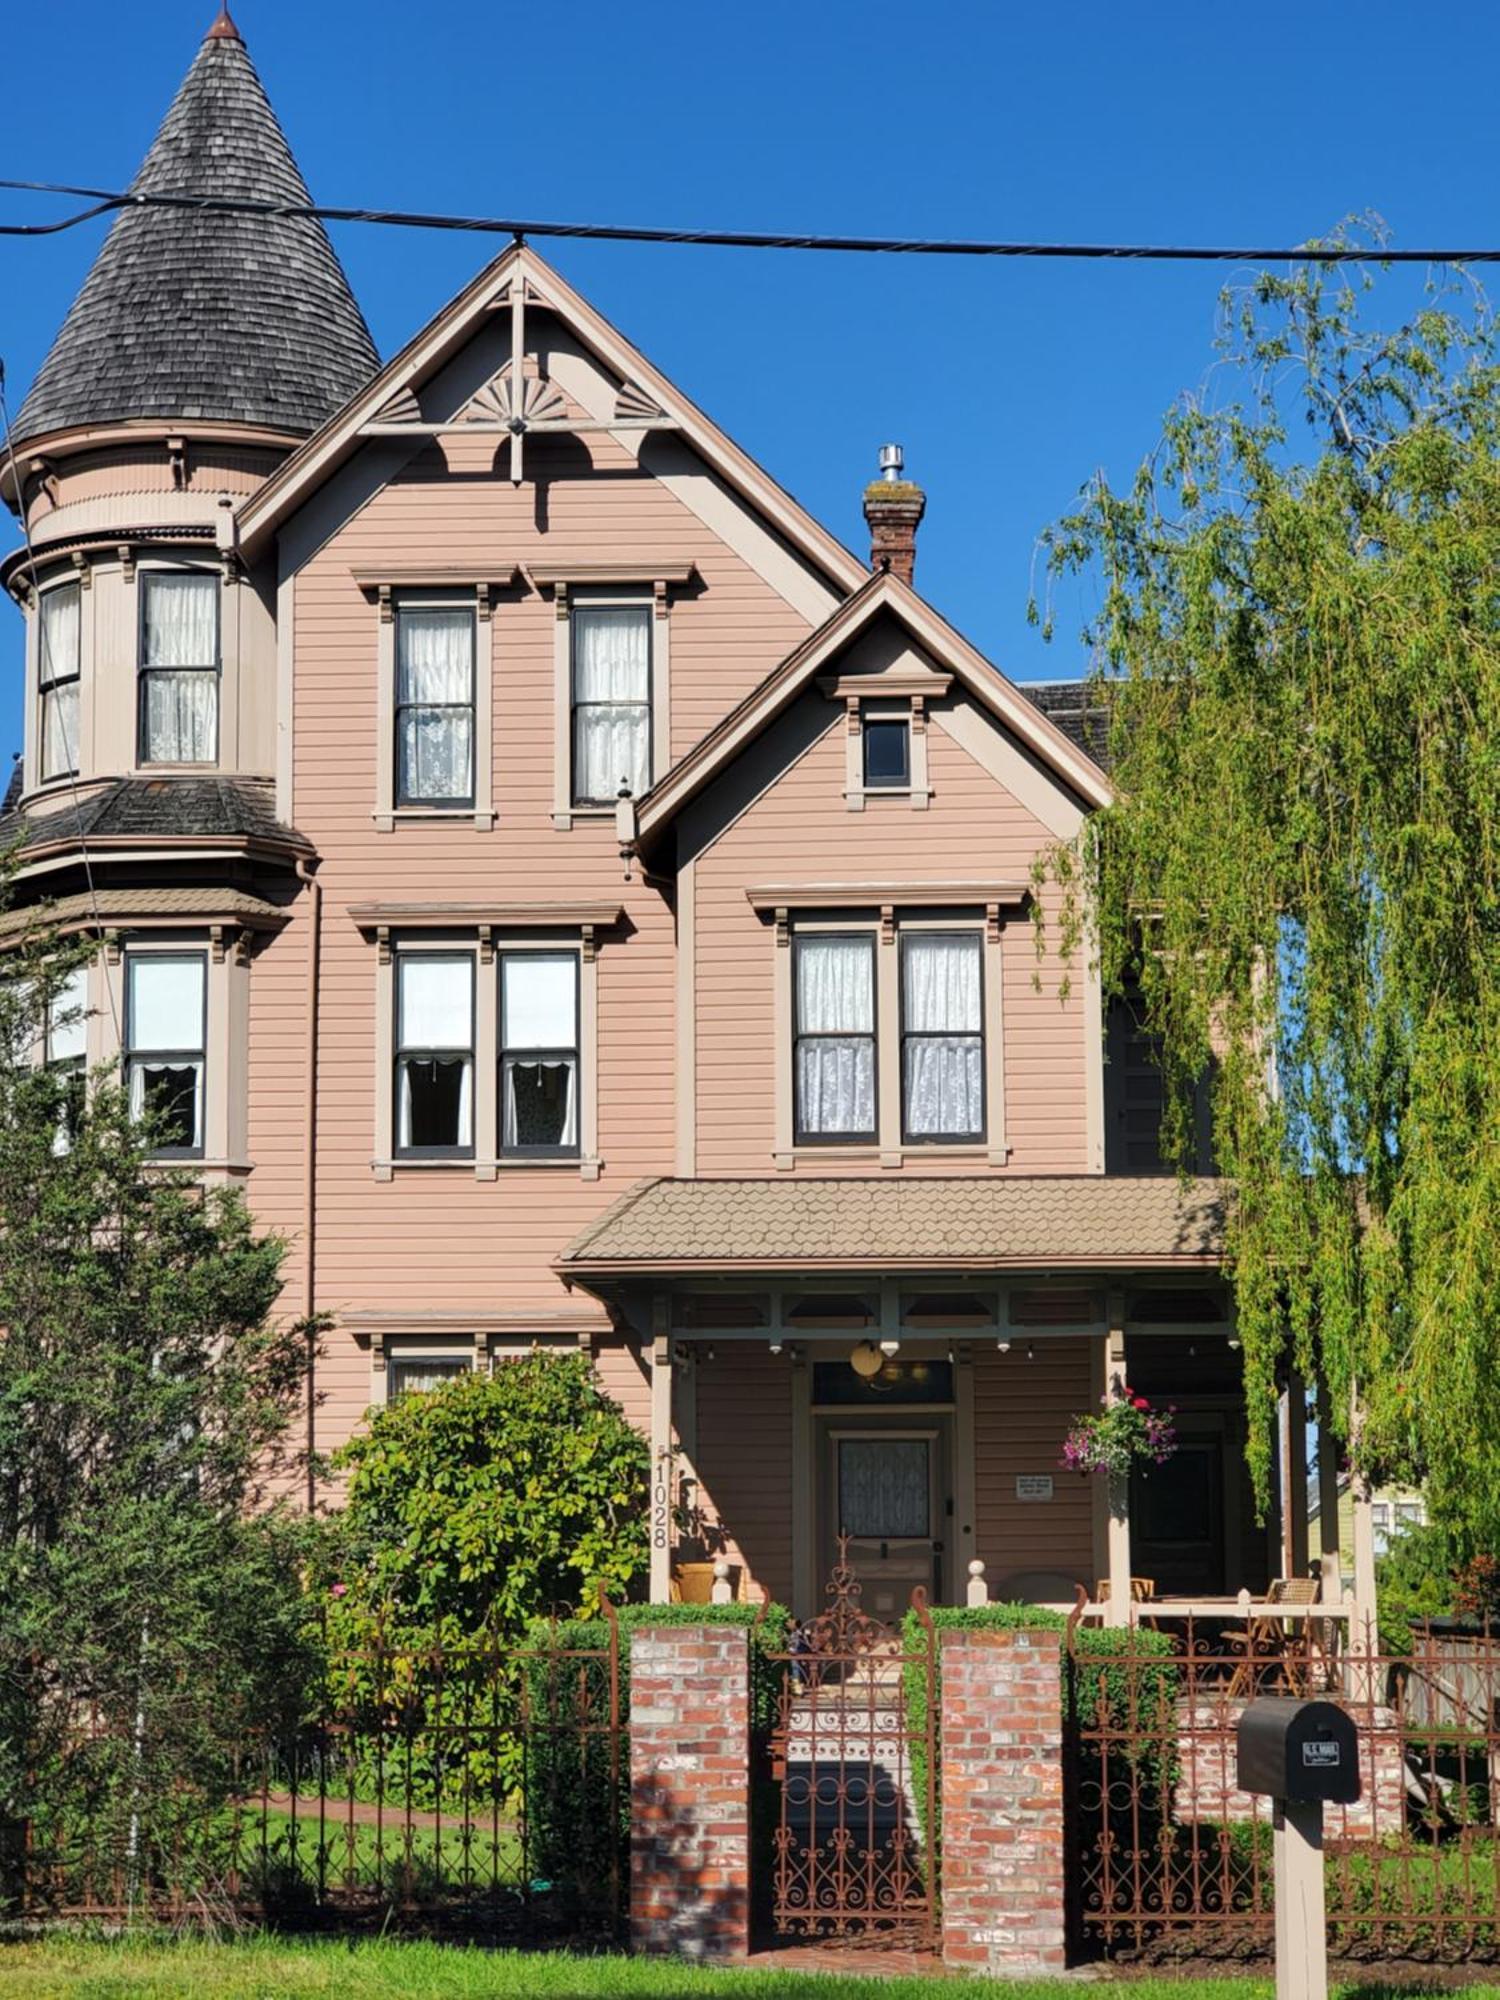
271, 1969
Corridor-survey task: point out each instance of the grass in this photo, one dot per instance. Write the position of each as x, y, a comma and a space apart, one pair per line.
267, 1968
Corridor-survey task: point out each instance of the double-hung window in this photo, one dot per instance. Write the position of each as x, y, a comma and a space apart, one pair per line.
58, 667
834, 1058
165, 1034
539, 1054
942, 1036
179, 674
434, 705
67, 1029
414, 1367
435, 1055
611, 702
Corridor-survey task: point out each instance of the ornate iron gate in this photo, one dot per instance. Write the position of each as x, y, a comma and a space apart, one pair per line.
853, 1752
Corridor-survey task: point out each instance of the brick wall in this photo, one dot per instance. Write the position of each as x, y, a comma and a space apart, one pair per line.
1002, 1868
690, 1790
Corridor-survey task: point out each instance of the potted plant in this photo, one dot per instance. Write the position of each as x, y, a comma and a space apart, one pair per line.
1125, 1432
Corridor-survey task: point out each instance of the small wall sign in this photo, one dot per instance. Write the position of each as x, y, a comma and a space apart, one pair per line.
1033, 1485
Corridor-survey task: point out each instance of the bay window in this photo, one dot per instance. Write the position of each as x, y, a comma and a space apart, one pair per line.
539, 1053
434, 706
942, 1036
611, 701
834, 1056
179, 667
165, 1035
59, 663
435, 1054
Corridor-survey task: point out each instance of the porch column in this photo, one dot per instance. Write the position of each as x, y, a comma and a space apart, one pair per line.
661, 1457
1294, 1549
1363, 1628
1330, 1557
1118, 1609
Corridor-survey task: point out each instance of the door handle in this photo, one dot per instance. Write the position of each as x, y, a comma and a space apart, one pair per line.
937, 1548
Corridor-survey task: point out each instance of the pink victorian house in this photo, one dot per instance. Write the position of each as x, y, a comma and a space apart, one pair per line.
586, 906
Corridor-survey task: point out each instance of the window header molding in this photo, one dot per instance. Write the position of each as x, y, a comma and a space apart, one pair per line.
580, 921
879, 896
461, 580
901, 684
600, 575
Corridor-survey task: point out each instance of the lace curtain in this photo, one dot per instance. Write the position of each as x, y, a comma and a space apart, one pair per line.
611, 702
179, 658
835, 1035
60, 636
435, 704
883, 1488
944, 1051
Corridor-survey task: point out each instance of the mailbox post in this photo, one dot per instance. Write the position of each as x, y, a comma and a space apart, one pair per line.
1302, 1755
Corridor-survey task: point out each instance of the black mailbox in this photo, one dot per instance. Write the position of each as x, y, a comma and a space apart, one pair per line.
1299, 1750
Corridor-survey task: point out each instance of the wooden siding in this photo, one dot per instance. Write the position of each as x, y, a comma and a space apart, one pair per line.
744, 1461
801, 829
1022, 1408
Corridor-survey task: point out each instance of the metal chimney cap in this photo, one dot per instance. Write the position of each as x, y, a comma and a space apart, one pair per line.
892, 459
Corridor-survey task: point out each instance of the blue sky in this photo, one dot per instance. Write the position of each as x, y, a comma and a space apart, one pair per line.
1008, 384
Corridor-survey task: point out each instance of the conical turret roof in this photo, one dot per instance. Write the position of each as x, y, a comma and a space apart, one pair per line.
236, 318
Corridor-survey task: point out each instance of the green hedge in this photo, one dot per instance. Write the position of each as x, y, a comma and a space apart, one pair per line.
1106, 1658
577, 1818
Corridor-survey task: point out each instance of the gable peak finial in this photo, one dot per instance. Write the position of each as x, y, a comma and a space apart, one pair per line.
223, 29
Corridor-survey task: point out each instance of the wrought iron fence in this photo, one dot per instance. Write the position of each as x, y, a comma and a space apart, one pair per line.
853, 1777
479, 1789
1168, 1857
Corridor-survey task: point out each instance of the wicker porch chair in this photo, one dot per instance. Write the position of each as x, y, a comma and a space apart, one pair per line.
1273, 1648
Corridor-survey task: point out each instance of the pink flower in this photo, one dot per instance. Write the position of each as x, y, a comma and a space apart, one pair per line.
1140, 1403
339, 1590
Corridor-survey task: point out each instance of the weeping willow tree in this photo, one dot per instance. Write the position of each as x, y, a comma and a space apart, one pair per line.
1298, 637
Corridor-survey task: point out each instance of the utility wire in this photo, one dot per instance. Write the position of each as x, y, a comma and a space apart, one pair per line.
104, 200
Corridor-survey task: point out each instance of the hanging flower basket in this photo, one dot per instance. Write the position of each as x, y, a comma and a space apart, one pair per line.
1125, 1433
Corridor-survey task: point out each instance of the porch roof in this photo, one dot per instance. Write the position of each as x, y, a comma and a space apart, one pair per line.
933, 1222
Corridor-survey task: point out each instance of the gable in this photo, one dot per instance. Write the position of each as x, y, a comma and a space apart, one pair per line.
520, 348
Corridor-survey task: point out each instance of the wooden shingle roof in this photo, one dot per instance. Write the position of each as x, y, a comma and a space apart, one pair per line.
231, 318
929, 1222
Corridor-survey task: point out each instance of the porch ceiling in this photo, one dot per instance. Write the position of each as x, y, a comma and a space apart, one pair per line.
932, 1223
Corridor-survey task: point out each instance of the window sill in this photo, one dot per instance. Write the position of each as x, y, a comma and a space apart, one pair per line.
914, 796
895, 1156
388, 818
487, 1169
564, 816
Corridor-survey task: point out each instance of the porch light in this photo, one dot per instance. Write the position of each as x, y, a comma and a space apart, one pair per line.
1003, 1345
867, 1360
775, 1346
890, 1347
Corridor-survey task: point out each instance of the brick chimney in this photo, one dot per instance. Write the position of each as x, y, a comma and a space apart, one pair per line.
894, 507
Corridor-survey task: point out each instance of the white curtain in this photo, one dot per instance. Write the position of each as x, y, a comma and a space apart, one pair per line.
181, 620
944, 1081
67, 1023
539, 1000
435, 1012
60, 633
182, 718
540, 1103
166, 1002
413, 1375
611, 702
835, 1027
435, 693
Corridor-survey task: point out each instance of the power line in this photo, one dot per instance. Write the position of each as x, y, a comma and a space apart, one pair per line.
103, 201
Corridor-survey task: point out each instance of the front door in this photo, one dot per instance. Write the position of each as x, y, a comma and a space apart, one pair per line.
884, 1488
1177, 1518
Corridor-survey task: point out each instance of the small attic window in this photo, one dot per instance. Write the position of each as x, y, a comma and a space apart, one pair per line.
887, 753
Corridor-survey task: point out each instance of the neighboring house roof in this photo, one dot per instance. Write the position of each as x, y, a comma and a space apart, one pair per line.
1078, 710
452, 328
168, 808
879, 594
238, 318
931, 1222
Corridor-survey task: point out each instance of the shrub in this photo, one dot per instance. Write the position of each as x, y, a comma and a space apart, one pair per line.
1413, 1580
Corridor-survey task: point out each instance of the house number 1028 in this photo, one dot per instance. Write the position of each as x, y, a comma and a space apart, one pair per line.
661, 1504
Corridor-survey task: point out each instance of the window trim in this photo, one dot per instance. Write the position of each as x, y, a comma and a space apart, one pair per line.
390, 1351
387, 812
199, 1055
972, 935
49, 684
460, 1154
405, 802
592, 592
641, 604
145, 578
860, 934
503, 1051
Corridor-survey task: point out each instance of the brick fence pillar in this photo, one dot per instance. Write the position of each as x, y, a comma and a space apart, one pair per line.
1002, 1865
690, 1790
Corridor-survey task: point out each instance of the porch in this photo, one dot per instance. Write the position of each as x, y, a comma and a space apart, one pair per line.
900, 1362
